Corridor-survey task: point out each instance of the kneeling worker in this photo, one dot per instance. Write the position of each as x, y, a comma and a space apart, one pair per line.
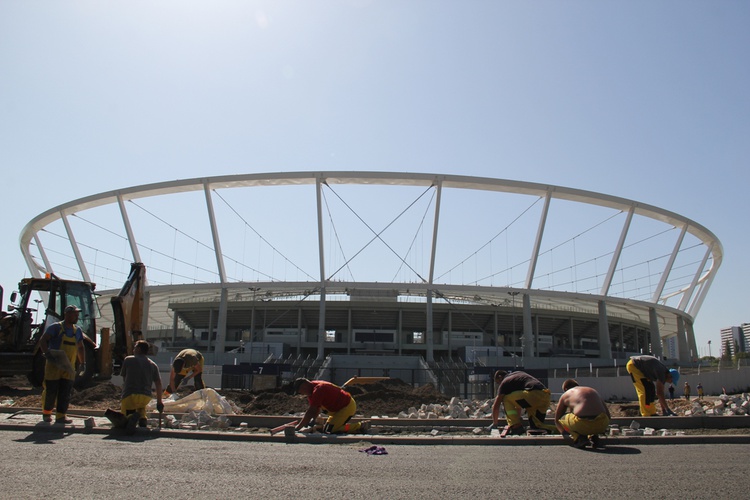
188, 361
139, 373
339, 404
588, 416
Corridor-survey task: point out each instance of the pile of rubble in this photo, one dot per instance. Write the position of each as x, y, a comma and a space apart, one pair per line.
455, 408
635, 430
723, 405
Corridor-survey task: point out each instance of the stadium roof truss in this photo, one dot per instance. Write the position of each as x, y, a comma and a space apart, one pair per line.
428, 238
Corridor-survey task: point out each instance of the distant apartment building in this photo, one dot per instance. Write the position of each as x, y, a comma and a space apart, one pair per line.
670, 348
735, 338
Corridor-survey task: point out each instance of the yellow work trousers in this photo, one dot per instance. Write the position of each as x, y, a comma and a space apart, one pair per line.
338, 421
535, 402
645, 389
135, 403
577, 426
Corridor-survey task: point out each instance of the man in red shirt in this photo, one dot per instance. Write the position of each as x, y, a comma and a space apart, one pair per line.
339, 404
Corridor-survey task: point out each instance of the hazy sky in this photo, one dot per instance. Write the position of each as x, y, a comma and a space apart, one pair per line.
640, 99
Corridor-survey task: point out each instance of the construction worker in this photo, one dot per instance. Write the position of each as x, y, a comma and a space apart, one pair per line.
61, 344
518, 391
699, 387
139, 373
188, 361
649, 376
581, 413
339, 404
687, 390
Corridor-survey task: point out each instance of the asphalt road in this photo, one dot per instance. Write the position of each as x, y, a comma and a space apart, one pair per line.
43, 464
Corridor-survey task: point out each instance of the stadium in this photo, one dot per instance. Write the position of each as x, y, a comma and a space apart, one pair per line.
304, 267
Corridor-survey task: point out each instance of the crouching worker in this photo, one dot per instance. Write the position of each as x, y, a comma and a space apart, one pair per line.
339, 404
582, 413
139, 373
649, 375
186, 365
520, 391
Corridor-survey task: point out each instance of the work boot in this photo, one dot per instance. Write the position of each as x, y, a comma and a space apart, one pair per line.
132, 424
581, 442
47, 418
364, 426
516, 430
63, 420
596, 441
143, 422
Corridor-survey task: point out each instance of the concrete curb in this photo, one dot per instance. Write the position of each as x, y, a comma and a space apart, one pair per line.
146, 434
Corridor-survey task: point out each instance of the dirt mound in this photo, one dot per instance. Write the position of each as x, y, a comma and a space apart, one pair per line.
384, 398
390, 397
95, 396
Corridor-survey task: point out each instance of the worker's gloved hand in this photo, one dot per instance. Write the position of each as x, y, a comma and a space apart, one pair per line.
160, 407
81, 369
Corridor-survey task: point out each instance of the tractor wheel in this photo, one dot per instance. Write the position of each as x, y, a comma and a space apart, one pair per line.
36, 375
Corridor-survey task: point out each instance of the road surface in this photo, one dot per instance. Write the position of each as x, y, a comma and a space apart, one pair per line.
80, 466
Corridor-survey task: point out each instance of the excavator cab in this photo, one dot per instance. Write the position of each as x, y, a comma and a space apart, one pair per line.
22, 325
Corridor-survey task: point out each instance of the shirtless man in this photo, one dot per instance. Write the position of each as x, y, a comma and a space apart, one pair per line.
588, 416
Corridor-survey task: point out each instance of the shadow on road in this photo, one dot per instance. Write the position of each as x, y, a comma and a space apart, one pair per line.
615, 450
45, 435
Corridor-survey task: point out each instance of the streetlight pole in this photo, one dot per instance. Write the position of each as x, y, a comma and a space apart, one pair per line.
709, 349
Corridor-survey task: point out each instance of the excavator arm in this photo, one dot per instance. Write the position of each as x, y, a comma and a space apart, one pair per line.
127, 308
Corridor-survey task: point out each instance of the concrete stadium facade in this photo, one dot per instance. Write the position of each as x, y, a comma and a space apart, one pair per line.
520, 315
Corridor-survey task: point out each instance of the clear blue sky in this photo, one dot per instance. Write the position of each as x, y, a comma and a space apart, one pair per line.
643, 100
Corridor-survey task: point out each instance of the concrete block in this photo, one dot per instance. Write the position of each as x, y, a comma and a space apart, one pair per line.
614, 431
635, 425
632, 432
434, 432
648, 431
477, 430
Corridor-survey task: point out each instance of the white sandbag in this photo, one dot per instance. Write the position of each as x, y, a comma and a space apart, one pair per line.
207, 400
